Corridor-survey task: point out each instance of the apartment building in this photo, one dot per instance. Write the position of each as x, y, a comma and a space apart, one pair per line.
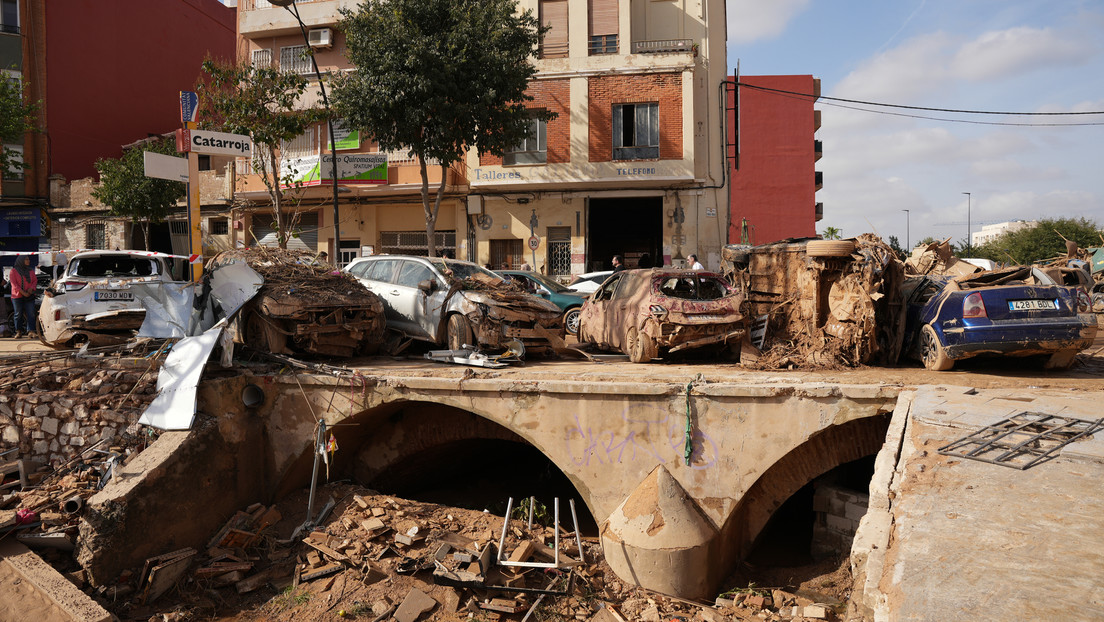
773, 165
105, 74
633, 164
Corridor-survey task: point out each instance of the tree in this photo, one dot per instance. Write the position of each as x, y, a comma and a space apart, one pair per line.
16, 119
1043, 241
831, 233
437, 78
895, 244
125, 188
260, 102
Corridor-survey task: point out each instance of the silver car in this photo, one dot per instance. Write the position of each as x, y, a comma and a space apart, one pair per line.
101, 297
453, 303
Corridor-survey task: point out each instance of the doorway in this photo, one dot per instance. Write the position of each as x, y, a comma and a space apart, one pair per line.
630, 227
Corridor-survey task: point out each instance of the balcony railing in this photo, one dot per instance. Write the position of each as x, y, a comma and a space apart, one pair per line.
602, 44
660, 46
819, 177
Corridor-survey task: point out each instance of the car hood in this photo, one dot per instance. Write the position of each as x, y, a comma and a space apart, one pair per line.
515, 301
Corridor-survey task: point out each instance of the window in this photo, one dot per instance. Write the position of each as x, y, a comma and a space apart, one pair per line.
15, 171
218, 226
295, 59
178, 227
414, 243
381, 270
204, 162
95, 235
553, 14
302, 146
411, 273
349, 250
262, 59
602, 27
506, 254
9, 16
533, 149
635, 131
559, 251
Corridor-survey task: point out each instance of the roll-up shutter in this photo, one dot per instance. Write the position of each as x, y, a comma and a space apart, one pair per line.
553, 14
603, 17
308, 232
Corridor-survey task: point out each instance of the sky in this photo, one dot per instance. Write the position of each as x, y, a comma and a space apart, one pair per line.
984, 55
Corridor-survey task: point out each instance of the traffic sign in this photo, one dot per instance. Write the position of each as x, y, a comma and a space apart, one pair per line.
214, 143
534, 242
165, 166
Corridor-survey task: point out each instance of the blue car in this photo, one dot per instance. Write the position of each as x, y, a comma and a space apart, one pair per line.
1009, 312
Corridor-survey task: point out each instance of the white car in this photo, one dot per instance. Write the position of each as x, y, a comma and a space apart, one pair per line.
101, 297
588, 283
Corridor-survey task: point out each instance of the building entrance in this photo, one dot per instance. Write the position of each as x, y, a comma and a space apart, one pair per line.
630, 227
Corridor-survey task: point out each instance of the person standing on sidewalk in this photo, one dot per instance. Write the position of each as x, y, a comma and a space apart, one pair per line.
23, 284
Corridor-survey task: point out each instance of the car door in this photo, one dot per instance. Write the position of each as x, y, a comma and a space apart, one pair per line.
601, 314
376, 275
418, 312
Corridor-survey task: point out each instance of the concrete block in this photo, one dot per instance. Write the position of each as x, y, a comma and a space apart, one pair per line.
815, 612
840, 524
854, 511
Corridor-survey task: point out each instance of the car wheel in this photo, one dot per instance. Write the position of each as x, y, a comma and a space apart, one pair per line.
571, 320
829, 248
931, 351
641, 347
458, 332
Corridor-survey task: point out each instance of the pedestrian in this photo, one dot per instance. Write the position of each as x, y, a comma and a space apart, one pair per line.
5, 294
692, 261
526, 267
23, 284
618, 263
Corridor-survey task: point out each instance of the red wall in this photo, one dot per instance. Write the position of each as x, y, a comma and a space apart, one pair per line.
114, 70
774, 186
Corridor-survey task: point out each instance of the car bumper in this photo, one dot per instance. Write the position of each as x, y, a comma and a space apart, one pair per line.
1025, 338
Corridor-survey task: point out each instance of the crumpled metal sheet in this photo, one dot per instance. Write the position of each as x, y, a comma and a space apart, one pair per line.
168, 309
231, 285
175, 405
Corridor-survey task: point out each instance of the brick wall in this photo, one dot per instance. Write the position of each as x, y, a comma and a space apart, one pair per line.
664, 89
838, 512
554, 96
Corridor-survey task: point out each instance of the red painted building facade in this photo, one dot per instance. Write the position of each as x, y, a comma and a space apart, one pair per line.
773, 155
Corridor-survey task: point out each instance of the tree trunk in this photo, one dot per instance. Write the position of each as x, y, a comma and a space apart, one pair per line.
277, 202
430, 214
145, 234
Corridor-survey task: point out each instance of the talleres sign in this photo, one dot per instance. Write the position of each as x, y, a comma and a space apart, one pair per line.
214, 143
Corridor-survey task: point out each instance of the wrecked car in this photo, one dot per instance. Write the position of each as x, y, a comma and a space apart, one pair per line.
1018, 311
101, 297
570, 302
648, 313
304, 306
455, 303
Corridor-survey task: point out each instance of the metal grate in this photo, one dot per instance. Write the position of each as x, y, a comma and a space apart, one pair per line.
414, 243
1022, 440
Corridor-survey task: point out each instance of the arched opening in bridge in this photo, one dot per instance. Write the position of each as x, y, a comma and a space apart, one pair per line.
798, 520
445, 455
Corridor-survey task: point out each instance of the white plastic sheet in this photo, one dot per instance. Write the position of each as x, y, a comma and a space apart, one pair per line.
175, 405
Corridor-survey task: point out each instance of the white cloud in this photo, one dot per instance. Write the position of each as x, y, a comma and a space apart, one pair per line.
914, 69
755, 20
1015, 51
1007, 171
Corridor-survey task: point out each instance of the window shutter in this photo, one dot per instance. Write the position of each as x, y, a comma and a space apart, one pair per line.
603, 17
554, 15
618, 126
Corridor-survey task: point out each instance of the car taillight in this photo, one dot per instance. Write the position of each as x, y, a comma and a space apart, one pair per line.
973, 306
1084, 303
658, 311
72, 286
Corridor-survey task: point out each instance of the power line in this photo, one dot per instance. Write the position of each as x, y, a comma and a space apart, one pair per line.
967, 121
868, 103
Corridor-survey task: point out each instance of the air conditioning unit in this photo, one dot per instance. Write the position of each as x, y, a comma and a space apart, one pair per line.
320, 37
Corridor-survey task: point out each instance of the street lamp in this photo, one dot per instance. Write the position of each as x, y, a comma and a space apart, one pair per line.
294, 11
908, 244
969, 241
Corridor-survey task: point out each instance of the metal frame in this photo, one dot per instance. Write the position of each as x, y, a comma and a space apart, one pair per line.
1022, 440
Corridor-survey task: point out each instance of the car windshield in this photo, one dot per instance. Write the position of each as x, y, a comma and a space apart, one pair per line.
463, 270
547, 282
113, 265
691, 287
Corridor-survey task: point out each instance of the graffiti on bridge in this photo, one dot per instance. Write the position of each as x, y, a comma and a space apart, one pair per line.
646, 434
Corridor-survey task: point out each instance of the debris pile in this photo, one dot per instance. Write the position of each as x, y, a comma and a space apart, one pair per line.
937, 259
305, 306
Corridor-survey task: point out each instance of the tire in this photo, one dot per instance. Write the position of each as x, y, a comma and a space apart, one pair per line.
458, 332
931, 351
640, 347
829, 248
571, 320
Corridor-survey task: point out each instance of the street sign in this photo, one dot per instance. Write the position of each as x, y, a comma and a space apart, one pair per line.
165, 167
214, 143
189, 104
534, 242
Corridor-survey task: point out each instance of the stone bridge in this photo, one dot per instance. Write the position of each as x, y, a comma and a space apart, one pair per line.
682, 469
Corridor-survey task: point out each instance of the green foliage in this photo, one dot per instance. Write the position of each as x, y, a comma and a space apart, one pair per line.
437, 78
831, 233
16, 119
259, 102
895, 244
541, 514
125, 188
1043, 241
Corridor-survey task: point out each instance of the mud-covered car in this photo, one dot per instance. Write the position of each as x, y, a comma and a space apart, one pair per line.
649, 313
569, 301
454, 303
1018, 311
305, 306
101, 297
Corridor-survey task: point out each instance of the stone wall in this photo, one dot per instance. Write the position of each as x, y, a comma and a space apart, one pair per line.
52, 412
838, 512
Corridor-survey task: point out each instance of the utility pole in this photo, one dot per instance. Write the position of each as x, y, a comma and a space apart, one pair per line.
908, 244
969, 240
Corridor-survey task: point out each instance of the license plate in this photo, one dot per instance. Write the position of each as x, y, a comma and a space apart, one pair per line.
113, 296
1032, 305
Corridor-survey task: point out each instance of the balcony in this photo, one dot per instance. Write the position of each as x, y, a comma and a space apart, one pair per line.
261, 18
816, 120
818, 150
819, 177
819, 212
660, 46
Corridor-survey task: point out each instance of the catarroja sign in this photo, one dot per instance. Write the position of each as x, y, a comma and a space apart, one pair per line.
214, 143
